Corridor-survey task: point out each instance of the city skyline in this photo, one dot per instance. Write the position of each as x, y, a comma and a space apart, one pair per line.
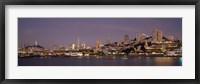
65, 31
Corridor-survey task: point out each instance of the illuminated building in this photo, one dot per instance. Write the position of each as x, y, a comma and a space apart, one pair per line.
83, 45
140, 37
36, 43
88, 47
108, 40
73, 46
171, 38
146, 45
157, 36
98, 44
126, 38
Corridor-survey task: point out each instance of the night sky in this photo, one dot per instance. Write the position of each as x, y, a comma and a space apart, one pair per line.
65, 31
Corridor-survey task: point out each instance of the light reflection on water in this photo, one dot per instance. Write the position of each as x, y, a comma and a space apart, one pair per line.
100, 61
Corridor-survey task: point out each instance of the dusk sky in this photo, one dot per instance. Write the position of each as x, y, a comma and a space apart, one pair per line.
65, 31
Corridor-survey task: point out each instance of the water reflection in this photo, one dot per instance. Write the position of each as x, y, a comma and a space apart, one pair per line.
164, 61
100, 61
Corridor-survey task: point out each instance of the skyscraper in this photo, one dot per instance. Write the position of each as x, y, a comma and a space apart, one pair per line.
157, 36
73, 46
36, 43
98, 44
126, 38
83, 45
108, 40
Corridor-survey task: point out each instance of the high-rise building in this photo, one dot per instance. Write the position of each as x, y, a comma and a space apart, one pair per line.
73, 46
140, 37
126, 38
98, 44
146, 46
36, 43
157, 36
108, 40
83, 45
